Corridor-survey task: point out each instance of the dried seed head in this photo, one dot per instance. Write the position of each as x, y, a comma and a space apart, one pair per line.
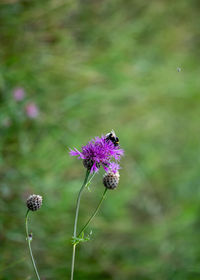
88, 163
34, 202
111, 180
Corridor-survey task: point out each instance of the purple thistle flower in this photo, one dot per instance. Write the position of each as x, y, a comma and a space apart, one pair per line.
99, 152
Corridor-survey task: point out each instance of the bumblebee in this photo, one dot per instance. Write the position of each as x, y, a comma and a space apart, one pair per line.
112, 137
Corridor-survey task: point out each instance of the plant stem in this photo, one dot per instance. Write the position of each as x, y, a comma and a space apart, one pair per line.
90, 179
29, 245
76, 220
73, 261
95, 212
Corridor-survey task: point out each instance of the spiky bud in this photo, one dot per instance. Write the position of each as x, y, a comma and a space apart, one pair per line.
111, 180
88, 163
34, 202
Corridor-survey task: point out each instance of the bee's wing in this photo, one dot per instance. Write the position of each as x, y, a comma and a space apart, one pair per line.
113, 133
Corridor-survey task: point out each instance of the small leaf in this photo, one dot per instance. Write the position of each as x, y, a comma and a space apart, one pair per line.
88, 186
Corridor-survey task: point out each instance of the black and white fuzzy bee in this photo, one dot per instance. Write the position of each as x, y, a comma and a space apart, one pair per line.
112, 137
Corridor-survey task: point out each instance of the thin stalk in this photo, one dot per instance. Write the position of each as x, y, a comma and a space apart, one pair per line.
94, 214
90, 179
29, 245
76, 221
73, 261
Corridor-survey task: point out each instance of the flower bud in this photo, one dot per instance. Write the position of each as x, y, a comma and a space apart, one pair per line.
34, 202
111, 180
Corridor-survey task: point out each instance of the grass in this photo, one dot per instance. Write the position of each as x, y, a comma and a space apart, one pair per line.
91, 67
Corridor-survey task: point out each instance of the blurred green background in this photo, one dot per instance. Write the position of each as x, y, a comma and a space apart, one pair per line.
87, 67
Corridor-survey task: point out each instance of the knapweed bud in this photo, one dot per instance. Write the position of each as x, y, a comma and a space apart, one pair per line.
34, 202
88, 163
111, 180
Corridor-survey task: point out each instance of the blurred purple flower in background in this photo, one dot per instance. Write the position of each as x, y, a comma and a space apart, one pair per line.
18, 94
32, 110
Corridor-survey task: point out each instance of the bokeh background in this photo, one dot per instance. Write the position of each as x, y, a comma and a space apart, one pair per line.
71, 70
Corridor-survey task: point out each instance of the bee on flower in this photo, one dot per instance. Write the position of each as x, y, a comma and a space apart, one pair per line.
100, 151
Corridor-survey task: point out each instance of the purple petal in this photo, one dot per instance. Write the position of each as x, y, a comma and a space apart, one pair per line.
114, 167
76, 152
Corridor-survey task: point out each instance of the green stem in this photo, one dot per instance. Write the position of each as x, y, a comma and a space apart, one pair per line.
76, 221
89, 181
94, 214
29, 245
73, 261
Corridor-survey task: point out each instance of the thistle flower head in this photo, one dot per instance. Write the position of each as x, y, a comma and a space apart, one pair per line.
34, 202
100, 151
111, 180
